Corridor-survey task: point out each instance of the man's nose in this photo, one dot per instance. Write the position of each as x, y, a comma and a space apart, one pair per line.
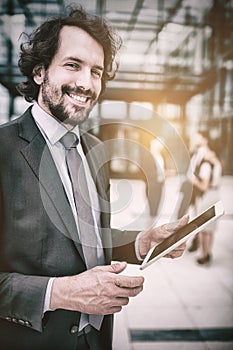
84, 80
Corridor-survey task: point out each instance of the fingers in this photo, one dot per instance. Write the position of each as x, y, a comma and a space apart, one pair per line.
128, 286
181, 247
115, 309
184, 220
129, 292
121, 281
118, 267
129, 282
121, 285
174, 226
114, 268
177, 252
117, 306
124, 301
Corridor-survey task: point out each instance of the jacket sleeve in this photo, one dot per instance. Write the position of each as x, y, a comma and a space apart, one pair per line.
22, 299
123, 243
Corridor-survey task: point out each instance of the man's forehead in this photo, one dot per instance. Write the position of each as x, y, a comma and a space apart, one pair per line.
73, 33
74, 39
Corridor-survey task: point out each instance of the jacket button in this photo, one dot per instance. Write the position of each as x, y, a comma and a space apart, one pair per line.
22, 322
74, 329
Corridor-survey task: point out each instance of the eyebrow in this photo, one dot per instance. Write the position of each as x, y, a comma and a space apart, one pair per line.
78, 60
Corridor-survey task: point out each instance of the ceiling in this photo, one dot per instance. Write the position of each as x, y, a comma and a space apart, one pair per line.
172, 48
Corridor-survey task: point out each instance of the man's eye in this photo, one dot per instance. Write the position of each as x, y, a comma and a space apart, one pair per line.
72, 65
97, 73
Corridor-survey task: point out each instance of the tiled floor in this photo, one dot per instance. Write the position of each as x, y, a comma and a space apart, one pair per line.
179, 296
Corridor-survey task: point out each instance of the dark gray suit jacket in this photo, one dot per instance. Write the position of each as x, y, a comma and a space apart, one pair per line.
38, 238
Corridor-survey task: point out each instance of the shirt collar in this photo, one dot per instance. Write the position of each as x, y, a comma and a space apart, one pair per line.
52, 129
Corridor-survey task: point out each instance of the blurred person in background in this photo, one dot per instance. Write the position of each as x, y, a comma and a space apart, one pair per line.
188, 192
207, 183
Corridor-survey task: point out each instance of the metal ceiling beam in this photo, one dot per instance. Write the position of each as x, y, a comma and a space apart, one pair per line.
134, 16
27, 13
100, 7
161, 26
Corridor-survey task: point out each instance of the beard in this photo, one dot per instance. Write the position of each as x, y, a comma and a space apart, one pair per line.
67, 113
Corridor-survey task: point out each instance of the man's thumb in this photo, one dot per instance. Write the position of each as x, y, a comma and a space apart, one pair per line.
118, 267
184, 220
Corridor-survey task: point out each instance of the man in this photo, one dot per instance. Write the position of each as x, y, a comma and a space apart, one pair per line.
52, 296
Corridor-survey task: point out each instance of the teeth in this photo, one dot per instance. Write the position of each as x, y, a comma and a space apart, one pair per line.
78, 98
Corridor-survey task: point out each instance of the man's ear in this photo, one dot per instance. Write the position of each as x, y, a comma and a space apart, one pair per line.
38, 74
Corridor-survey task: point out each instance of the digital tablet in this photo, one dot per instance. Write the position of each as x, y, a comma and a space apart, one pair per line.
183, 234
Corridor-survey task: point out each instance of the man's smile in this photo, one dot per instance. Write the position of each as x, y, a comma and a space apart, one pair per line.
78, 99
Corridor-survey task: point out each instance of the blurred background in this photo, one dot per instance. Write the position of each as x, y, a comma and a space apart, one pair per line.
174, 79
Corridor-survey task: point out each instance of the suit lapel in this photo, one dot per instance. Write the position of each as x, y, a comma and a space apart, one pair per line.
52, 192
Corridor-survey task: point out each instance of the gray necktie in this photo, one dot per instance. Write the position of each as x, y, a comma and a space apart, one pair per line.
87, 232
82, 199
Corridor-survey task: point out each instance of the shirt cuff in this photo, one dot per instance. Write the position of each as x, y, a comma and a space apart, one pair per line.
48, 295
136, 244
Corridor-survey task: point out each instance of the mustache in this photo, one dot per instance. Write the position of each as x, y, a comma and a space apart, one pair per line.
78, 90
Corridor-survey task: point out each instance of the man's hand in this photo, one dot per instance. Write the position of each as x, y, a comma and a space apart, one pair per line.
156, 235
100, 290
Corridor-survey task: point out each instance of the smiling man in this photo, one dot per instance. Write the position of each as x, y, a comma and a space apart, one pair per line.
59, 289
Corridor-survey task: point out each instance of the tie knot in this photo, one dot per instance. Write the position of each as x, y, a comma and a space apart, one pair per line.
69, 140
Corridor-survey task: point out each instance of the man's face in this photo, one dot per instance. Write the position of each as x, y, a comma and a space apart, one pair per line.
70, 87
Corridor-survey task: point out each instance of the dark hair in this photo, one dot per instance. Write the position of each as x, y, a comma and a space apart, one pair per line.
43, 43
204, 133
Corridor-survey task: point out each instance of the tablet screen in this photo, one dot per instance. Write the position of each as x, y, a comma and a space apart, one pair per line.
182, 232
